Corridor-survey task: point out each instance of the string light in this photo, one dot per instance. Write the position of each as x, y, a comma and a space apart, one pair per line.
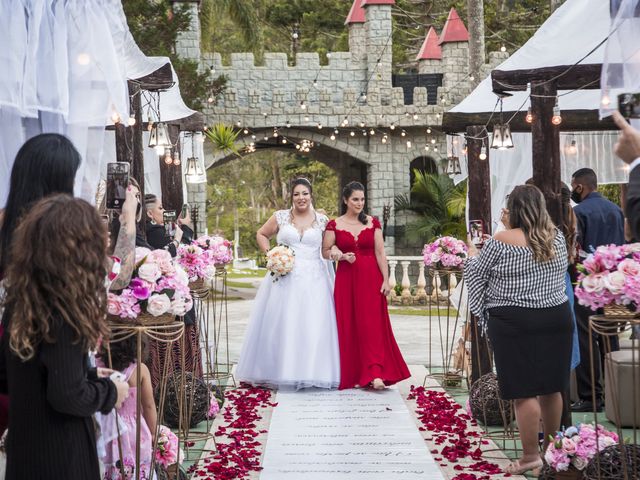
392, 126
483, 153
529, 117
435, 149
275, 132
362, 124
363, 96
403, 133
428, 130
503, 48
352, 133
415, 116
433, 140
239, 123
115, 117
557, 118
364, 133
333, 136
319, 126
131, 121
284, 140
306, 118
372, 132
266, 138
253, 137
426, 147
288, 124
210, 100
573, 149
167, 156
345, 122
303, 106
336, 131
245, 131
384, 138
408, 143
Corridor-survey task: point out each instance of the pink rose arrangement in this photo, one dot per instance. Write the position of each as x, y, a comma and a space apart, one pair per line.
610, 275
218, 248
214, 407
445, 253
157, 286
577, 445
167, 451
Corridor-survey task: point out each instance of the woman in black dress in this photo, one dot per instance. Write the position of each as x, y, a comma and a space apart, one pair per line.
55, 314
158, 237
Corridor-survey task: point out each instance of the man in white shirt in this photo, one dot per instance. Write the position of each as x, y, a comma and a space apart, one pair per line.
628, 149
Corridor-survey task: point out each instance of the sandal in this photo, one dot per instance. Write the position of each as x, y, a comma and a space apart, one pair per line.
517, 468
378, 384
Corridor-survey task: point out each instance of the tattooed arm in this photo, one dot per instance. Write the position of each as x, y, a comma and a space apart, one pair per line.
125, 248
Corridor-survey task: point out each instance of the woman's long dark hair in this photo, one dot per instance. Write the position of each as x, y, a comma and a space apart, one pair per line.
44, 165
57, 273
347, 191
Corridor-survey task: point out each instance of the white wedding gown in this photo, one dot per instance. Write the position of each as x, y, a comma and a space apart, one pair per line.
292, 338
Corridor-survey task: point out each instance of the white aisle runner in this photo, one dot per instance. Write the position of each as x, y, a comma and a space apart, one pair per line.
345, 435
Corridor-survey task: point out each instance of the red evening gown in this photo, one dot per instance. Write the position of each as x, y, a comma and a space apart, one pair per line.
368, 349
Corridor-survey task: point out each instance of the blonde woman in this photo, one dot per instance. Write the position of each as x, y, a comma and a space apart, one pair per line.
517, 287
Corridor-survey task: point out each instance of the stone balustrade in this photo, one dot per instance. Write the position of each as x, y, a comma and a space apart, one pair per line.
417, 286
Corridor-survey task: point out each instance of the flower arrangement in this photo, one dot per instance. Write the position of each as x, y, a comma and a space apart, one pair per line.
445, 253
214, 407
218, 249
157, 286
577, 445
167, 451
610, 275
280, 260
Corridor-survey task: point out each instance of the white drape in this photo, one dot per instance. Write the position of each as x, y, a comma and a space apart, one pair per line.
64, 67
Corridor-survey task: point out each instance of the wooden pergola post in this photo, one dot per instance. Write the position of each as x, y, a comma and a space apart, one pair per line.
546, 148
171, 175
479, 195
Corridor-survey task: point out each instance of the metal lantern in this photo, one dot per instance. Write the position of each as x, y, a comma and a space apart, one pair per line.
502, 139
195, 172
453, 166
159, 137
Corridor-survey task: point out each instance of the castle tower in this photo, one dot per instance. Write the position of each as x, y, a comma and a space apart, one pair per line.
454, 41
357, 36
379, 42
188, 41
430, 55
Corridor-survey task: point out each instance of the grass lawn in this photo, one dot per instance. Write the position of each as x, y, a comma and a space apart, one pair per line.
232, 284
258, 273
422, 311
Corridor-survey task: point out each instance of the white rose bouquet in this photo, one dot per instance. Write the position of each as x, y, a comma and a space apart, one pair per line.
280, 261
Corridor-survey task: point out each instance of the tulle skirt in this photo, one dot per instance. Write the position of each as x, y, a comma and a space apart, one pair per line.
292, 340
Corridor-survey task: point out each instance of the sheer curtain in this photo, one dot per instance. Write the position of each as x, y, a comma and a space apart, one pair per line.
513, 167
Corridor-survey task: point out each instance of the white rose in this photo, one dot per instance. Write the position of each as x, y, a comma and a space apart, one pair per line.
181, 275
178, 307
579, 462
593, 283
615, 282
158, 304
149, 272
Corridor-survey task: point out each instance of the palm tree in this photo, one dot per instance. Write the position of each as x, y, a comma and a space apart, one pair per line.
241, 12
439, 204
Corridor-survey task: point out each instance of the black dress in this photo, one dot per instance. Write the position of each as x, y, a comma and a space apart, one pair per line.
51, 430
157, 238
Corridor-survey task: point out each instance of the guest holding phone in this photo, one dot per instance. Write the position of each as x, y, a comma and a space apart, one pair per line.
159, 236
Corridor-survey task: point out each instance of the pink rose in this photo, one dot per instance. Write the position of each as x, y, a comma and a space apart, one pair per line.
149, 272
158, 304
629, 267
568, 446
593, 283
158, 256
113, 304
141, 253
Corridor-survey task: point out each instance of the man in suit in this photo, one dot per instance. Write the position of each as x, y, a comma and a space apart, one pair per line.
628, 149
600, 222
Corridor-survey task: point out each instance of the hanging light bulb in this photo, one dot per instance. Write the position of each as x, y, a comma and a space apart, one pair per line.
131, 121
297, 147
433, 141
605, 100
239, 123
403, 133
345, 122
245, 131
210, 100
426, 147
167, 156
384, 138
176, 158
573, 148
363, 96
306, 118
529, 116
503, 48
435, 149
275, 132
284, 140
253, 137
333, 136
319, 126
501, 139
483, 153
372, 132
364, 133
428, 130
362, 124
288, 124
315, 83
266, 138
352, 133
415, 116
392, 126
408, 143
303, 106
336, 131
557, 118
115, 117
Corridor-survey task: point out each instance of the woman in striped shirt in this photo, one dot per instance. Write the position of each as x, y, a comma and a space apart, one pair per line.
517, 288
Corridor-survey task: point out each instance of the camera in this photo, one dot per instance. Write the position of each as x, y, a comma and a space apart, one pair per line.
629, 105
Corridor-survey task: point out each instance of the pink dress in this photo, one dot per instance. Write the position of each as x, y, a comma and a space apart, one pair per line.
127, 416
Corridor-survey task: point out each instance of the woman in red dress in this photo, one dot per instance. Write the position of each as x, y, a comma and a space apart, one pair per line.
369, 354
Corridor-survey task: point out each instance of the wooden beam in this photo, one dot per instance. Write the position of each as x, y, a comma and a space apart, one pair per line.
565, 77
546, 148
572, 120
479, 195
171, 176
161, 79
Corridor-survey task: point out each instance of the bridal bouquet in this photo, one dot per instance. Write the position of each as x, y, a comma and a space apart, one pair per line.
577, 445
158, 285
218, 249
280, 261
610, 275
168, 452
445, 253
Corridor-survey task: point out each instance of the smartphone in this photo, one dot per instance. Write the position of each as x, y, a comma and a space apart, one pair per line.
169, 220
476, 231
629, 105
117, 183
185, 210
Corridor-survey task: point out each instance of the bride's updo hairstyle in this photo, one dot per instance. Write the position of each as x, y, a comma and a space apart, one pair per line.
300, 181
347, 191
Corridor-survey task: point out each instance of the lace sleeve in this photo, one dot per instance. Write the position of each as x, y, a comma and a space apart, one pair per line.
322, 221
376, 223
282, 217
331, 226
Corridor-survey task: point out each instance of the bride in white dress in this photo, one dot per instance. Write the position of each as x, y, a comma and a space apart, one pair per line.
292, 338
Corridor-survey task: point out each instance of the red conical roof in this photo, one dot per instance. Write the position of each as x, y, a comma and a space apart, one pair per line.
377, 2
356, 14
454, 29
430, 49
